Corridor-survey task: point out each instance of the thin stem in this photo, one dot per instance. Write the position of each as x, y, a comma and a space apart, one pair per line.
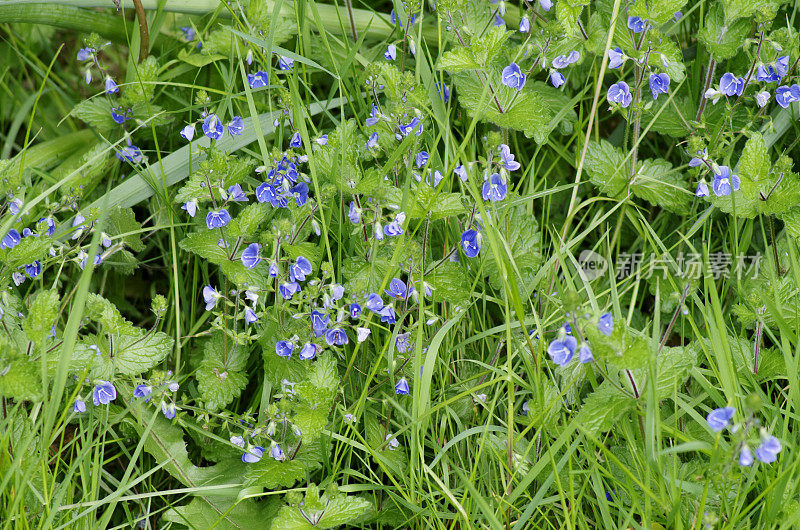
144, 44
712, 65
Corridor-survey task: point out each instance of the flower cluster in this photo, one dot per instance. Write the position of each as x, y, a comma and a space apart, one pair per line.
563, 347
766, 445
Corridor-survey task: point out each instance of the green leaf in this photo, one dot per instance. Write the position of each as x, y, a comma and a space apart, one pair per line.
220, 376
41, 316
135, 355
656, 11
223, 514
20, 378
657, 182
754, 162
721, 38
320, 387
625, 348
106, 313
533, 110
458, 60
311, 421
246, 223
520, 233
96, 113
448, 283
123, 221
328, 511
271, 474
27, 251
603, 409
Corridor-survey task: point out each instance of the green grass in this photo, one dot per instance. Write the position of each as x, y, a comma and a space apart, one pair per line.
469, 461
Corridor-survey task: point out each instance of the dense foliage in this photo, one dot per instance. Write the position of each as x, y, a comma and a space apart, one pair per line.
448, 264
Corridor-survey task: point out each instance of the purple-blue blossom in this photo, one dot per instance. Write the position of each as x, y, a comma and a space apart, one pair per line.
620, 93
724, 182
103, 393
561, 350
513, 77
659, 84
494, 188
719, 419
212, 127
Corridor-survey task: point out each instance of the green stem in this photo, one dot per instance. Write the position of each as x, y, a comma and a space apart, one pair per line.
64, 16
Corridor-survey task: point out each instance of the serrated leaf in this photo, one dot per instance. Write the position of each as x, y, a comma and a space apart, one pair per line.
329, 511
135, 355
223, 514
20, 379
520, 233
448, 283
106, 313
656, 11
458, 60
310, 421
320, 386
723, 39
123, 221
603, 409
657, 182
531, 110
625, 348
41, 316
247, 221
220, 375
754, 162
95, 113
27, 251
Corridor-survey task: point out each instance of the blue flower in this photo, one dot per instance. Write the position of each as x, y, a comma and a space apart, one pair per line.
498, 20
785, 95
557, 79
461, 172
319, 322
620, 93
494, 189
288, 290
84, 54
606, 324
410, 127
507, 158
636, 24
336, 337
374, 302
265, 193
388, 315
525, 24
513, 77
768, 450
354, 213
284, 348
402, 343
562, 61
103, 393
395, 20
444, 91
217, 219
374, 116
401, 388
767, 74
295, 141
11, 239
372, 141
730, 85
397, 289
421, 159
236, 126
210, 297
702, 189
285, 63
236, 194
300, 269
659, 84
120, 114
212, 127
79, 406
142, 391
393, 229
471, 243
309, 351
391, 53
585, 353
762, 98
561, 350
276, 452
34, 269
355, 310
188, 33
300, 193
720, 418
50, 223
111, 86
253, 455
745, 456
546, 4
258, 80
615, 58
188, 132
251, 255
168, 410
250, 316
724, 182
782, 65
